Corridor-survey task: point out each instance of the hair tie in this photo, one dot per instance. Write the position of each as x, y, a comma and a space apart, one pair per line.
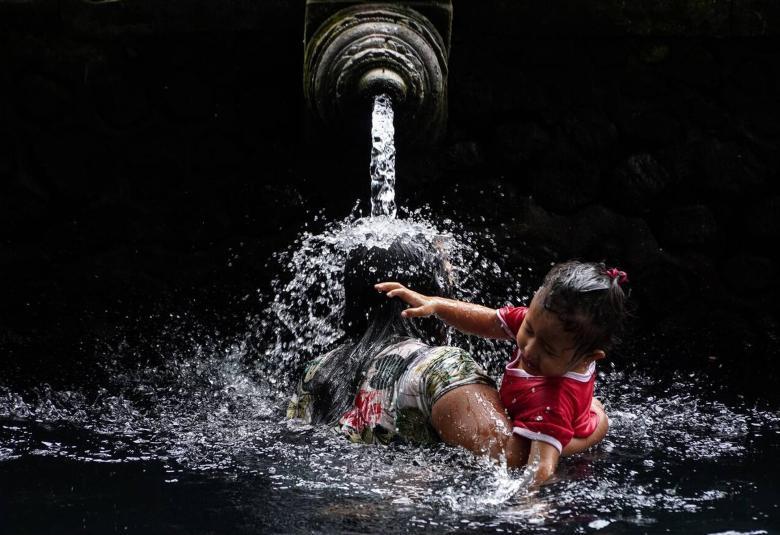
621, 276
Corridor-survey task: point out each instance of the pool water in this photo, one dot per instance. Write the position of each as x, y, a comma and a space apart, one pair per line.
197, 442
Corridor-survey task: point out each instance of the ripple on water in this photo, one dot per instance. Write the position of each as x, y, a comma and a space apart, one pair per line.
235, 426
207, 408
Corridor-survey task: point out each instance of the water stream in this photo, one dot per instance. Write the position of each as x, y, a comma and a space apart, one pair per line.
382, 158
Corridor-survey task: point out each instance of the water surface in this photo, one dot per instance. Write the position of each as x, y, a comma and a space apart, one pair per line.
197, 442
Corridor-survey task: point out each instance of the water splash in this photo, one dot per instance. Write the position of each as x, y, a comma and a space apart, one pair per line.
216, 406
382, 158
308, 296
203, 411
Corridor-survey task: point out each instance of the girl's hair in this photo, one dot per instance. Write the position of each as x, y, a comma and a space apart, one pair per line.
589, 301
372, 322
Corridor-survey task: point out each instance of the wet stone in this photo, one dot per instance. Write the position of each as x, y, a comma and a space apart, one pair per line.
762, 219
214, 152
661, 285
473, 96
750, 75
517, 143
599, 232
746, 20
17, 259
20, 207
653, 128
749, 272
44, 98
76, 162
7, 159
592, 132
703, 274
538, 227
119, 99
654, 52
693, 65
636, 182
465, 153
187, 97
760, 114
524, 95
728, 167
704, 111
689, 226
565, 180
642, 246
642, 82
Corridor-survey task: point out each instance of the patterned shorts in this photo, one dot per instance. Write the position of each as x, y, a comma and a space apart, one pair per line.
397, 392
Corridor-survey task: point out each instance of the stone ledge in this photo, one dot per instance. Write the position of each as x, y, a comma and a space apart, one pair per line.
502, 18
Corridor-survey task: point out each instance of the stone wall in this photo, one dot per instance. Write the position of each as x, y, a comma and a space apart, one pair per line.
147, 157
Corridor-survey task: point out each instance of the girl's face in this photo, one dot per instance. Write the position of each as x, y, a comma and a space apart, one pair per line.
545, 347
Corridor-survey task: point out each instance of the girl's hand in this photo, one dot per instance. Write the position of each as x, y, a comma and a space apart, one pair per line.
420, 305
466, 317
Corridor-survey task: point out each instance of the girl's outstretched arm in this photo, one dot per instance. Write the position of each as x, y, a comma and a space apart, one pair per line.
466, 317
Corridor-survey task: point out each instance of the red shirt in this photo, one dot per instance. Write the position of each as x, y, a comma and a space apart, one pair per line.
550, 409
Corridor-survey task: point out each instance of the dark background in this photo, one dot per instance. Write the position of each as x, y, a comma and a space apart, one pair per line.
153, 155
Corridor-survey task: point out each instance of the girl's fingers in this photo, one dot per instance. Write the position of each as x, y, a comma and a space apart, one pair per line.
419, 302
386, 286
418, 312
407, 296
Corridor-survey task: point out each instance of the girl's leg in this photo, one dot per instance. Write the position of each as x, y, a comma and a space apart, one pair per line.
472, 416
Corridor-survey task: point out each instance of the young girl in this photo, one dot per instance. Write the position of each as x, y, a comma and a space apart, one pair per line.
547, 389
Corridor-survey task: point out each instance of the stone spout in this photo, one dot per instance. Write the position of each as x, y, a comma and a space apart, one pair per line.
357, 50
